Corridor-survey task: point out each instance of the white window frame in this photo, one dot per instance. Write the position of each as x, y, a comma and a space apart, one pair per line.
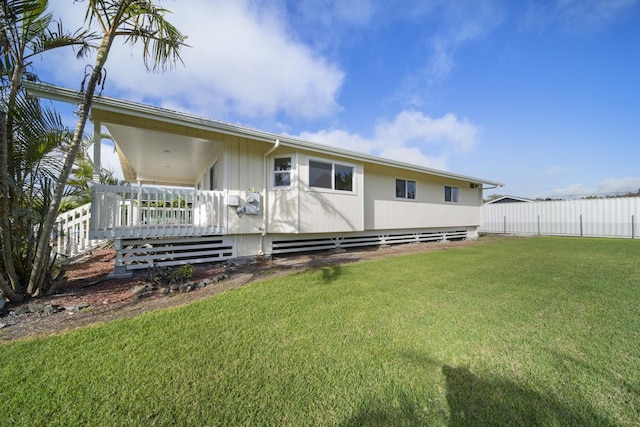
292, 172
454, 194
333, 164
406, 189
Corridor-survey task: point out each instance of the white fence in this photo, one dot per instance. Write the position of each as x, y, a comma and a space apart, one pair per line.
615, 217
132, 212
72, 231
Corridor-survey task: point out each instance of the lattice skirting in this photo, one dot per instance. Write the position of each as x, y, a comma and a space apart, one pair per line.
287, 244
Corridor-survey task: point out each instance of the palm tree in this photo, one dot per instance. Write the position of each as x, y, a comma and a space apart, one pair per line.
25, 31
135, 21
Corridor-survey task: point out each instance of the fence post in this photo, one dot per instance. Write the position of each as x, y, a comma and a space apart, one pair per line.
538, 224
505, 224
580, 225
633, 226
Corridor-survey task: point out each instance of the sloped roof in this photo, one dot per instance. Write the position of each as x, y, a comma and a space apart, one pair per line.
144, 111
509, 199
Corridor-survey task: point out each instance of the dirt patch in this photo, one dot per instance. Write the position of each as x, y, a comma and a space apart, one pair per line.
88, 297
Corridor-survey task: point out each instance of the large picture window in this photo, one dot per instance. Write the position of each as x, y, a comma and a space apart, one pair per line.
405, 189
451, 194
332, 176
282, 172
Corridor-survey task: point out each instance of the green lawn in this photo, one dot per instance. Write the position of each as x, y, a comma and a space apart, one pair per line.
537, 331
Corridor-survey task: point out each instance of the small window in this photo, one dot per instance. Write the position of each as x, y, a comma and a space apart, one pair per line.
213, 177
282, 172
451, 194
405, 189
332, 176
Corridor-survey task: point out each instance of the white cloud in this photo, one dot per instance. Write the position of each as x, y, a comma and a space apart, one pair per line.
576, 16
454, 24
412, 137
241, 62
609, 186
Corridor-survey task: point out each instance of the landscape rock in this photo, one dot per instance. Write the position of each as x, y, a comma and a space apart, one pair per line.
204, 283
187, 287
222, 277
51, 309
23, 309
139, 289
36, 308
76, 308
3, 302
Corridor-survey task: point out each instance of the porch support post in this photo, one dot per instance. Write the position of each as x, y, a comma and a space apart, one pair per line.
97, 148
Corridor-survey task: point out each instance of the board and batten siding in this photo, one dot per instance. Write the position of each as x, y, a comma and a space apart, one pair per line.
242, 170
429, 210
327, 211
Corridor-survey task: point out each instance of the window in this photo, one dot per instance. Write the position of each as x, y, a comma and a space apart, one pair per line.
405, 189
332, 176
282, 172
213, 177
451, 194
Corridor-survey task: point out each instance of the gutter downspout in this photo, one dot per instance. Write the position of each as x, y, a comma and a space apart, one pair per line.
266, 195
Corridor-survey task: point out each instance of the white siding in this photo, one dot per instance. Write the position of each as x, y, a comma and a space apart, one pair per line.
384, 211
330, 211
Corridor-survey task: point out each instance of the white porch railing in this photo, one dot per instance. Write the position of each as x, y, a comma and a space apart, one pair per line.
72, 231
128, 211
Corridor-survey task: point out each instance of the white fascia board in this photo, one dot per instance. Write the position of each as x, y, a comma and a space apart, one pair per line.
136, 109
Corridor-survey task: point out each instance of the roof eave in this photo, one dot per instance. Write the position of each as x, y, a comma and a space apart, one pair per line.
57, 93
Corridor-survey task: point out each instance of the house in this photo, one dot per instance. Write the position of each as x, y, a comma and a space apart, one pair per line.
204, 190
508, 199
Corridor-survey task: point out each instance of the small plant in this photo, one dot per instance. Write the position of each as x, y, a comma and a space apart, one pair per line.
182, 274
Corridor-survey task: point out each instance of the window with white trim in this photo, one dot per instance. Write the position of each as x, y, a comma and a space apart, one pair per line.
282, 169
451, 194
331, 176
405, 189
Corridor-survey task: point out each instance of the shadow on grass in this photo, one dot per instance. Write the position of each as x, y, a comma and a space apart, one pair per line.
473, 400
476, 400
331, 274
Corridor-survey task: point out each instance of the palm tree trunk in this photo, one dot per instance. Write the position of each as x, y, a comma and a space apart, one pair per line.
7, 288
43, 249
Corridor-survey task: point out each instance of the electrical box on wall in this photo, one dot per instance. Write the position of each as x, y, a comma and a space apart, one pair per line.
233, 201
252, 203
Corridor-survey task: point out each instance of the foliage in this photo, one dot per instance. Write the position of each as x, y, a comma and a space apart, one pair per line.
32, 141
537, 331
170, 275
135, 22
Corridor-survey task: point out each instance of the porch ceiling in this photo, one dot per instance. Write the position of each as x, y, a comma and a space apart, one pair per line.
161, 158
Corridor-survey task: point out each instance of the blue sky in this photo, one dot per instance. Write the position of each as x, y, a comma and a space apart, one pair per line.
543, 96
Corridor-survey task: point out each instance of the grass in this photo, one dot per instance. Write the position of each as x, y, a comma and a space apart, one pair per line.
539, 331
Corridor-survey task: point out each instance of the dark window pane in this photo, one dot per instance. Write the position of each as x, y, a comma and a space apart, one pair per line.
400, 188
344, 178
319, 174
282, 164
282, 179
447, 193
411, 189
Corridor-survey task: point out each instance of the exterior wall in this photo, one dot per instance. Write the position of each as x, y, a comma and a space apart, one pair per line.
241, 170
302, 209
384, 211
